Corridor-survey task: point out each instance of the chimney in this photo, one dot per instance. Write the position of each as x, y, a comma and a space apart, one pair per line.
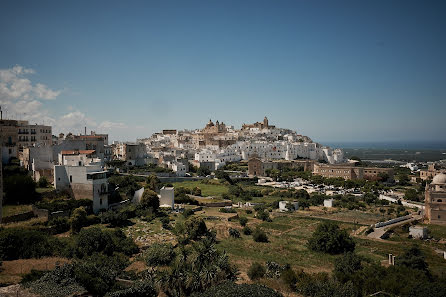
85, 130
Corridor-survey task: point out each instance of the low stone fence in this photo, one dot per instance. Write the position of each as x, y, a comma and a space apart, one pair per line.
18, 217
119, 205
218, 204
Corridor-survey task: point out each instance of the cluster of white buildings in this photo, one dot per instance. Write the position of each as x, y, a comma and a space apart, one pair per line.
218, 144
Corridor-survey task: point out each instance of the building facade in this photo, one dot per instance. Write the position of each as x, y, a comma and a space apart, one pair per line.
435, 200
83, 182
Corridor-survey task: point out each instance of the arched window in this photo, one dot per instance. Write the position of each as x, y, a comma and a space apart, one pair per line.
439, 200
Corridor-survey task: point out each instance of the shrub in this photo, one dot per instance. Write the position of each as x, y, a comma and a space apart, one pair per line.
256, 271
259, 235
159, 254
60, 224
150, 199
329, 238
165, 222
43, 182
114, 218
289, 277
196, 191
18, 243
187, 212
243, 221
195, 228
263, 215
234, 233
248, 211
274, 270
247, 231
230, 289
78, 219
91, 240
138, 289
228, 210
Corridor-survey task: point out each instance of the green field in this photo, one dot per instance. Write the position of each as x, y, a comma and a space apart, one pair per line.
206, 189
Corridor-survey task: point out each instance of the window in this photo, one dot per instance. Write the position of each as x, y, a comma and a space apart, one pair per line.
439, 200
100, 201
71, 178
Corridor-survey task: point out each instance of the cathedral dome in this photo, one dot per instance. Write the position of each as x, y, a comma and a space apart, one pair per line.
439, 179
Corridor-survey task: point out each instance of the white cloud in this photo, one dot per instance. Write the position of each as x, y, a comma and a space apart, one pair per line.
20, 98
108, 125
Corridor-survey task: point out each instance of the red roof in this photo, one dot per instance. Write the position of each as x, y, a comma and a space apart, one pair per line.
78, 152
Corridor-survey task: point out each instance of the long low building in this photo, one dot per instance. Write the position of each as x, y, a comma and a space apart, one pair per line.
348, 171
257, 167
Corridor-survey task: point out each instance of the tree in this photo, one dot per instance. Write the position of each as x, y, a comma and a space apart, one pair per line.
43, 182
243, 221
195, 228
329, 238
256, 271
346, 266
259, 235
413, 258
159, 254
19, 189
202, 171
150, 199
411, 194
78, 219
196, 191
234, 233
153, 182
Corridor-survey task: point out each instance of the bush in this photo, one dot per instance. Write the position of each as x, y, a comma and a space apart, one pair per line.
159, 254
234, 233
187, 212
78, 219
329, 238
230, 289
43, 182
256, 271
19, 189
114, 218
165, 222
228, 210
248, 211
263, 215
60, 224
95, 240
259, 235
150, 199
195, 228
289, 277
196, 191
16, 243
247, 231
243, 221
138, 289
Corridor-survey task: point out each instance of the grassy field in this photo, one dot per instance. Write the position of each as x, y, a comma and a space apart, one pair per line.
288, 234
206, 189
9, 210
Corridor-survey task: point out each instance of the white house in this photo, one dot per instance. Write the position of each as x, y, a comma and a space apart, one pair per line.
83, 182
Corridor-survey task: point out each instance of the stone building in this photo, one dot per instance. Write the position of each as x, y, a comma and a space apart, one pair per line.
258, 125
432, 170
9, 141
373, 173
33, 135
345, 171
83, 182
257, 167
435, 200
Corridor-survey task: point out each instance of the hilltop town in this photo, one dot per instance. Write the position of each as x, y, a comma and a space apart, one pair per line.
260, 210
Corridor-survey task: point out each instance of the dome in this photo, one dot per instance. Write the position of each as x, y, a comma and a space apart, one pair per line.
439, 179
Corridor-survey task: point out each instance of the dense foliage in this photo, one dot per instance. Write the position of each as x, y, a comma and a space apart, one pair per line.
329, 238
256, 271
230, 289
159, 254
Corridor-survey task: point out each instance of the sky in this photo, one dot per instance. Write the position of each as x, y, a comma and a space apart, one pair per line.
333, 70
